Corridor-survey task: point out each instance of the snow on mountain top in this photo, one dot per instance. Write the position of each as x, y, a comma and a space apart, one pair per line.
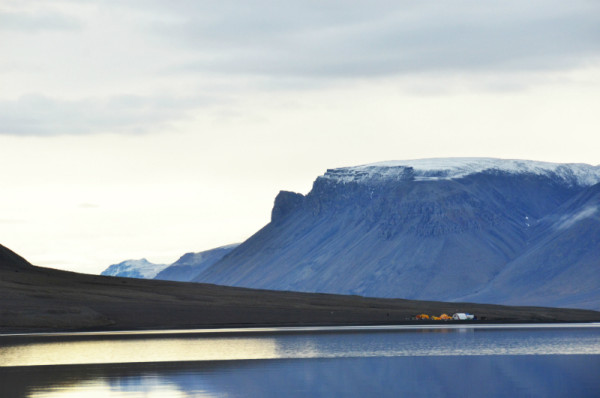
454, 168
135, 269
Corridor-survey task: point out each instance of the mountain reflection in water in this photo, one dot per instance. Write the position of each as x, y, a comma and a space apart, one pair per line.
449, 376
453, 363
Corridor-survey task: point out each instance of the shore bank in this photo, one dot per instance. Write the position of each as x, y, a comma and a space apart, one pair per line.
35, 299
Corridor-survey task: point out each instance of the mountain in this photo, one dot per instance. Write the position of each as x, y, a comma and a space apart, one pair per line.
431, 229
562, 263
11, 260
36, 299
190, 265
134, 269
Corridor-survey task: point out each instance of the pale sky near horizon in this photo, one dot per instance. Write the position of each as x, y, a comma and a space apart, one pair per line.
133, 128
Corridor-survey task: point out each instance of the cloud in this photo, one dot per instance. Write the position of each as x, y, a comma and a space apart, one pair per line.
236, 49
88, 206
333, 39
38, 115
37, 21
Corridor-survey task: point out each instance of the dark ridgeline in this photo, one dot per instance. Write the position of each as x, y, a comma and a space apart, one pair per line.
10, 260
492, 235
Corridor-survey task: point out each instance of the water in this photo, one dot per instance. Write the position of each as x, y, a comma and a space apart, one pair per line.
424, 362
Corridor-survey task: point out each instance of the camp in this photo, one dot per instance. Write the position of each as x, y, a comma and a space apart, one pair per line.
463, 316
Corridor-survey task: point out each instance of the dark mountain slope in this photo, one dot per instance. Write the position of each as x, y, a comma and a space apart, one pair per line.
11, 260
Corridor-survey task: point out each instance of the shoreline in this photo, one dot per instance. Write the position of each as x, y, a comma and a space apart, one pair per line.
258, 330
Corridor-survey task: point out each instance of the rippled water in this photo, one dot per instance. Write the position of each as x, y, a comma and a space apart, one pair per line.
524, 361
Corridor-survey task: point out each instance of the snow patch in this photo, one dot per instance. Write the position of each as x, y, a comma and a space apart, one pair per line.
454, 168
568, 221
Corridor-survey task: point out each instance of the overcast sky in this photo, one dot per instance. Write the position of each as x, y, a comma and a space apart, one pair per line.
134, 129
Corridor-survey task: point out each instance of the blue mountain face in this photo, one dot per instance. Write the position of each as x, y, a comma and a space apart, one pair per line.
560, 265
433, 229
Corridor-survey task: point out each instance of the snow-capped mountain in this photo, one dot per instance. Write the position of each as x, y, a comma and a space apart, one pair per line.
190, 265
455, 168
432, 229
134, 269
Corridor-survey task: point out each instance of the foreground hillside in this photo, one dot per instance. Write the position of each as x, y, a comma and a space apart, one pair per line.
478, 229
41, 299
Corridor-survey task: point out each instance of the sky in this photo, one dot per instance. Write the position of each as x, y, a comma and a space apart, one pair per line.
145, 128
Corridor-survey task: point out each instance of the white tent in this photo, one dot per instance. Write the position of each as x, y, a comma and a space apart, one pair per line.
463, 316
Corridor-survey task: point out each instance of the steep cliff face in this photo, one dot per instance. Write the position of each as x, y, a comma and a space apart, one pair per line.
433, 229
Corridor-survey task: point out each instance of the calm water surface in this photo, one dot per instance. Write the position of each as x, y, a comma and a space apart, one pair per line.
449, 361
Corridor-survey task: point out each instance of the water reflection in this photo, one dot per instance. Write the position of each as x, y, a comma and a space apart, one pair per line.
137, 350
448, 376
302, 345
472, 362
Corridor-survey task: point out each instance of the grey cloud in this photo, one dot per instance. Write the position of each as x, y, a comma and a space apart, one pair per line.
37, 21
41, 115
329, 39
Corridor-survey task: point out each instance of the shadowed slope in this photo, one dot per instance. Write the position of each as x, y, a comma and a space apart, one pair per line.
11, 260
36, 299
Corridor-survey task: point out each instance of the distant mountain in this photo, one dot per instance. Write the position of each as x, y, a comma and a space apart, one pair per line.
190, 265
490, 230
134, 269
